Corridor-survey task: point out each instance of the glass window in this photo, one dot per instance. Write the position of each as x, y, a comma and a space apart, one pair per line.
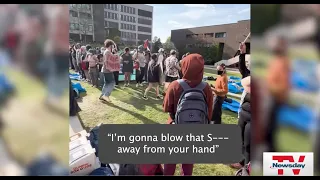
109, 15
112, 16
90, 28
116, 7
121, 25
134, 10
116, 16
121, 8
108, 6
130, 10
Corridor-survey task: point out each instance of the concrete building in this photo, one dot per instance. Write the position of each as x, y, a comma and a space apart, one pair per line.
227, 36
81, 22
134, 21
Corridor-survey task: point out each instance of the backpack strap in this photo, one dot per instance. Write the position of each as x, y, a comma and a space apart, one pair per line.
201, 86
183, 84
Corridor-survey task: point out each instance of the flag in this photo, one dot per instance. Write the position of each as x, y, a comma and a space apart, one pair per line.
146, 45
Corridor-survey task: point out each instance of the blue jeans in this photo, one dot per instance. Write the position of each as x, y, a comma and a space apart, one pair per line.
109, 84
101, 78
57, 75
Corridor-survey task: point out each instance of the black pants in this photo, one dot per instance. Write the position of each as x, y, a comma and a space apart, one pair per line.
317, 152
245, 126
217, 109
141, 75
146, 74
272, 126
116, 77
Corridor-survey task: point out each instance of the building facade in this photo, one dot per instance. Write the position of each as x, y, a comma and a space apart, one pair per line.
134, 22
81, 22
227, 36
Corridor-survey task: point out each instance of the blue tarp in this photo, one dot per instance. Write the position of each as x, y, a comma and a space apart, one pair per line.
234, 78
303, 75
235, 88
78, 87
300, 118
234, 106
74, 76
5, 85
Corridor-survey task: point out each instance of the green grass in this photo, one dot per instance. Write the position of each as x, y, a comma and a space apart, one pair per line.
30, 127
128, 107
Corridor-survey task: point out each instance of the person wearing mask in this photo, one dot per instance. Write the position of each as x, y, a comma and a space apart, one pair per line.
192, 69
111, 63
147, 55
245, 123
127, 67
172, 69
153, 77
141, 59
220, 91
278, 86
93, 69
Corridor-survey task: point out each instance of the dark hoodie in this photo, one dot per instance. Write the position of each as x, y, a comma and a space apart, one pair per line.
153, 72
192, 68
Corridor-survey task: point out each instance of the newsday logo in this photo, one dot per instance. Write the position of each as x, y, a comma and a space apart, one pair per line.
287, 164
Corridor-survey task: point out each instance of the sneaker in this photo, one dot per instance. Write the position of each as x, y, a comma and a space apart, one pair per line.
158, 97
125, 85
106, 98
128, 84
145, 97
137, 85
141, 85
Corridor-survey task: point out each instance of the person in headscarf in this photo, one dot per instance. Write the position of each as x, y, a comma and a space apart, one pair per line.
153, 76
192, 69
160, 61
147, 55
141, 59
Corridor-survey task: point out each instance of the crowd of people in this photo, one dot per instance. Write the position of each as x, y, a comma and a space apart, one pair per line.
159, 70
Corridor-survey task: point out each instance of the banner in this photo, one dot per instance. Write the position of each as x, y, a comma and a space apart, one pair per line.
113, 63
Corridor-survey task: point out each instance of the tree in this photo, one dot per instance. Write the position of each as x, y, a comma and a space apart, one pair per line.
117, 40
111, 33
168, 45
84, 21
140, 42
156, 44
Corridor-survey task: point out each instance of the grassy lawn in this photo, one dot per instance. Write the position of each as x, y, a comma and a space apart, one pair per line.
128, 107
30, 127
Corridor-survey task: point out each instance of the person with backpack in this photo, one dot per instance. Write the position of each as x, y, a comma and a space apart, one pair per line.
220, 91
153, 76
190, 85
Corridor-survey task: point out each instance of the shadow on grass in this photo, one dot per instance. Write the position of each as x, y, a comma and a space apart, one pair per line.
139, 116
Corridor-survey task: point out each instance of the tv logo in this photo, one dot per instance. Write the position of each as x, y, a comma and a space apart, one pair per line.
287, 164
